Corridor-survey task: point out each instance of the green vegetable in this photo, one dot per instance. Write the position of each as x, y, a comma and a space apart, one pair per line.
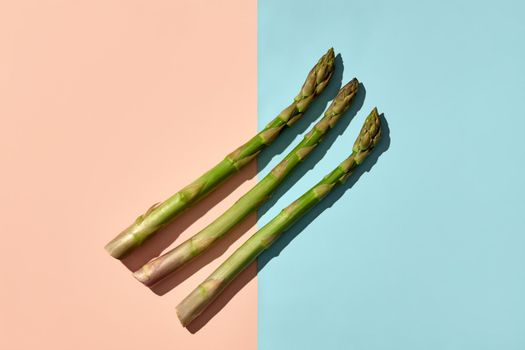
162, 266
161, 214
206, 292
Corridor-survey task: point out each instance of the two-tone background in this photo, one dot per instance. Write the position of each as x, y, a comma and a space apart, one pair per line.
109, 106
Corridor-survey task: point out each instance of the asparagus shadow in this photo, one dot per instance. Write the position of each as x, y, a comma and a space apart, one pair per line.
173, 280
176, 278
167, 235
154, 246
310, 162
246, 276
275, 249
315, 110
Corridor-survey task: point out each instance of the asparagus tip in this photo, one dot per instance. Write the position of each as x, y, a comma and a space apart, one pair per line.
369, 135
330, 55
352, 85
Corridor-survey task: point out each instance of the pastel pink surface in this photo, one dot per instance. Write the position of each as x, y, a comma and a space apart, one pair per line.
107, 107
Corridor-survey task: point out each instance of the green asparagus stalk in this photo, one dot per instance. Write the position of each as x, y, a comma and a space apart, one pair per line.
160, 267
206, 292
161, 214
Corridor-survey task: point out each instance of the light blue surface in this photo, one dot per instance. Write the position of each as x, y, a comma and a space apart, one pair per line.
427, 250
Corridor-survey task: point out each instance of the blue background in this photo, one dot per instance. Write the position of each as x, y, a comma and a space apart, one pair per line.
427, 249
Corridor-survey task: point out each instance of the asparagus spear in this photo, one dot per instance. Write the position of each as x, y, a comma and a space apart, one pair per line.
206, 292
161, 214
162, 266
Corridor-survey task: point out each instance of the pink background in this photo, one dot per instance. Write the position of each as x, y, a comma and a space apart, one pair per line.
107, 107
